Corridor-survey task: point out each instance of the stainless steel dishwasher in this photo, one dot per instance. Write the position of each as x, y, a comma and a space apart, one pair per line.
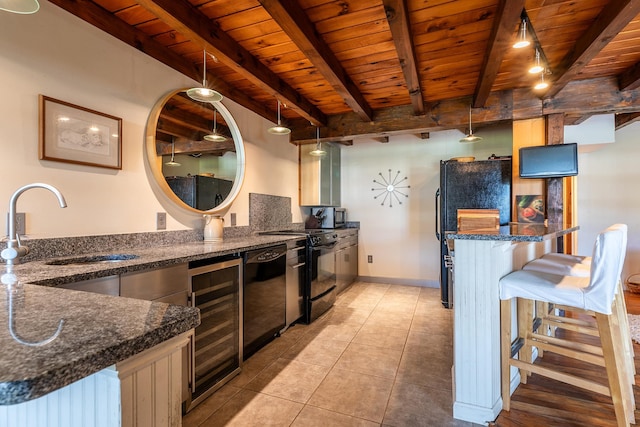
264, 296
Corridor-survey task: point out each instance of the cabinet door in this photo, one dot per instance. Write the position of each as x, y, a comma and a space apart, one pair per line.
320, 176
334, 176
352, 255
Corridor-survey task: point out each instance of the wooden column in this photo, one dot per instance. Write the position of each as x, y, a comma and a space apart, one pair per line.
555, 193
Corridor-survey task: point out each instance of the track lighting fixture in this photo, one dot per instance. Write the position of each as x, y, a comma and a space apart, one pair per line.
204, 94
279, 129
542, 84
523, 39
537, 65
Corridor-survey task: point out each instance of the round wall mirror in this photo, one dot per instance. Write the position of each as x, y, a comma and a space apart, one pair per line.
195, 152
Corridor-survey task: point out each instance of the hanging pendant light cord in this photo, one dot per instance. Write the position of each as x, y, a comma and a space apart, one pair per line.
204, 68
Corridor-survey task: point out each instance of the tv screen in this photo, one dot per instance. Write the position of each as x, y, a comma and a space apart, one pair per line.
549, 161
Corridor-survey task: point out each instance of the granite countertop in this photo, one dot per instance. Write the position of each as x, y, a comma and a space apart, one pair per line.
40, 273
515, 232
98, 330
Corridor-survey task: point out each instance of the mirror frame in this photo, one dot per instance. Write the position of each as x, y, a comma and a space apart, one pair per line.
155, 161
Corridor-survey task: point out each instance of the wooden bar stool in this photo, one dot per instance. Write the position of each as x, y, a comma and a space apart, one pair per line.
597, 294
573, 265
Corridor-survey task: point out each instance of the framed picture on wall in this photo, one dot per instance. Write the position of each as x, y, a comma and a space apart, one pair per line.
73, 134
530, 208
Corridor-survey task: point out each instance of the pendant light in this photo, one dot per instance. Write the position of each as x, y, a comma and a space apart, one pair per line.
542, 84
23, 7
537, 65
318, 152
523, 40
204, 94
471, 137
215, 136
279, 129
172, 162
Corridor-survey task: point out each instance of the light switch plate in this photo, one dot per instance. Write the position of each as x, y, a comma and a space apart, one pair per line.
161, 221
233, 219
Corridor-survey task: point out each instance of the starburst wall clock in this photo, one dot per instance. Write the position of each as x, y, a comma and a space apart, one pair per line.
390, 189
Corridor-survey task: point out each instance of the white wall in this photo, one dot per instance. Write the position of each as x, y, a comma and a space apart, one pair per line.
608, 193
401, 238
55, 54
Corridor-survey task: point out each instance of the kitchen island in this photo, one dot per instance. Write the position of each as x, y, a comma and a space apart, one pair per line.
69, 346
481, 258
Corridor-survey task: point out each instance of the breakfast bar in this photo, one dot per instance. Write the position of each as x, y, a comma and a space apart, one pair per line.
481, 258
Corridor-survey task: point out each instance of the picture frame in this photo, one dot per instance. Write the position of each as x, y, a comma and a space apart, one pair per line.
530, 208
73, 134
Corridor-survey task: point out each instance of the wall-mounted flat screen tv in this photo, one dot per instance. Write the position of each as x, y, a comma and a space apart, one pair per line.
549, 161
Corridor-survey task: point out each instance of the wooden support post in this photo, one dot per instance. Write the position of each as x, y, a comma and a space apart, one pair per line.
555, 135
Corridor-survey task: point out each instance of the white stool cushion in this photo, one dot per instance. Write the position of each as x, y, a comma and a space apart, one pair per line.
547, 287
595, 292
546, 265
567, 258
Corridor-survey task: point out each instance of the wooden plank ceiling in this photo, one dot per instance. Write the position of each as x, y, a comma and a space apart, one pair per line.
373, 68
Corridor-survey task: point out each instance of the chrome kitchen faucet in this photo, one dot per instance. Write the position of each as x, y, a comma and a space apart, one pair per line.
14, 249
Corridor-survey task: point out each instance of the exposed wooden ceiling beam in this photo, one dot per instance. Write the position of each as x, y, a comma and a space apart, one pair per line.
109, 23
614, 17
504, 106
625, 119
294, 22
398, 18
575, 119
189, 21
630, 79
507, 16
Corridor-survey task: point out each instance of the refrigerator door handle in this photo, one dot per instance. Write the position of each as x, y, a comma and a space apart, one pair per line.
437, 197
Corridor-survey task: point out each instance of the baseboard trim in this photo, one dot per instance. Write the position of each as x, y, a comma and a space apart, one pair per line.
400, 281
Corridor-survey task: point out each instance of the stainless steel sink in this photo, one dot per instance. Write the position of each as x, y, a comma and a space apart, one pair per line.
92, 259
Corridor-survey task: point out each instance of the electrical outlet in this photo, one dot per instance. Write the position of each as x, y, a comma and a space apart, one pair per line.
21, 223
370, 259
21, 226
233, 219
161, 221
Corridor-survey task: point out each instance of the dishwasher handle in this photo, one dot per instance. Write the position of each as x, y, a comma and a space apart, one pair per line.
302, 264
260, 256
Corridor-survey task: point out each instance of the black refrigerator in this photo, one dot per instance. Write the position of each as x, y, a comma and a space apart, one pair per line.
484, 184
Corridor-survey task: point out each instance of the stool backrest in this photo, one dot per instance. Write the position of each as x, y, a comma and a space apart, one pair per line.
606, 267
623, 250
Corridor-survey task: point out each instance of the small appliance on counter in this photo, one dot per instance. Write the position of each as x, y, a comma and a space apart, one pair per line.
327, 217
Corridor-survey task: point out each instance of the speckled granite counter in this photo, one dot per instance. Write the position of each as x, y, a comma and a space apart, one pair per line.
38, 272
99, 330
514, 232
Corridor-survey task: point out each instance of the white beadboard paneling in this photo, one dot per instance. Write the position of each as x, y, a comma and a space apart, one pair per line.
71, 406
479, 265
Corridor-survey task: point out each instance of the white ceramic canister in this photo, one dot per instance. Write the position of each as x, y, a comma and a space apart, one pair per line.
213, 225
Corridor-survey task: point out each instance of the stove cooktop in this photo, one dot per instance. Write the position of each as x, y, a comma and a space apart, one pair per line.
315, 237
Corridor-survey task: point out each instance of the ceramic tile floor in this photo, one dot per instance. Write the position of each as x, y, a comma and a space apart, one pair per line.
380, 357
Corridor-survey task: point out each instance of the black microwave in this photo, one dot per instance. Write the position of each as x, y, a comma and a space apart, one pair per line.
330, 217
